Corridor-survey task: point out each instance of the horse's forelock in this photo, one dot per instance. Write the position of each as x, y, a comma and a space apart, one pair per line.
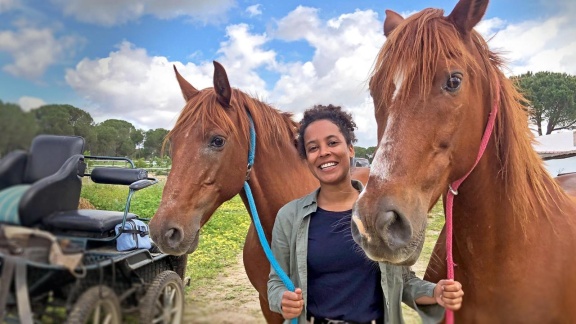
204, 110
413, 51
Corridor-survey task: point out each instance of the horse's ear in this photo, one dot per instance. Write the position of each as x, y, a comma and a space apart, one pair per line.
221, 85
391, 22
188, 91
467, 14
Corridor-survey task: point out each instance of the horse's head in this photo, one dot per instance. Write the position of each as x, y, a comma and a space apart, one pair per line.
432, 99
209, 148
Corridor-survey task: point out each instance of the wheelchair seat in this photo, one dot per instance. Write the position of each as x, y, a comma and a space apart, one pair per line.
92, 223
44, 180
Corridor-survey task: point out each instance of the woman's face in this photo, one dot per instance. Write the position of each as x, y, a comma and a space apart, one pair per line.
327, 153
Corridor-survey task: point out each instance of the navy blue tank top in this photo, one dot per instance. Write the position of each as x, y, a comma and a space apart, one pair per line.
343, 284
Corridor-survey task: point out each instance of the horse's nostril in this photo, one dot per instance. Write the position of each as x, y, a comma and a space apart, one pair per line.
396, 229
173, 237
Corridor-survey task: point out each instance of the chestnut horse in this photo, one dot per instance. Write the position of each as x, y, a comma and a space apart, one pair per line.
434, 85
209, 146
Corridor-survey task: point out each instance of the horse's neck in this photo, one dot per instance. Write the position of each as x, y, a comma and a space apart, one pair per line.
487, 224
275, 180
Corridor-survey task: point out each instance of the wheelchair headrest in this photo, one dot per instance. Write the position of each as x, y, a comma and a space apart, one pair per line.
48, 153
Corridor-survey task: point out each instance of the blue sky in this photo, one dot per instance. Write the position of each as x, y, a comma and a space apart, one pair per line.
113, 58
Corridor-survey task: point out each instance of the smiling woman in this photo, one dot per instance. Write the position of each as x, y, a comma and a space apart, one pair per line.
312, 242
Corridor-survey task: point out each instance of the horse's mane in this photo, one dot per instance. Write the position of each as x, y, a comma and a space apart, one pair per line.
272, 126
433, 38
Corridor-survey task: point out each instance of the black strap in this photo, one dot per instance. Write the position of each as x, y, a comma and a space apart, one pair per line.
131, 231
140, 230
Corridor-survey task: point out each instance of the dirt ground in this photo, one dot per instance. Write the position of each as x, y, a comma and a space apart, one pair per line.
229, 299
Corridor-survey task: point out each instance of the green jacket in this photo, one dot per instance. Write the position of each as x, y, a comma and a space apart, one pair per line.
290, 247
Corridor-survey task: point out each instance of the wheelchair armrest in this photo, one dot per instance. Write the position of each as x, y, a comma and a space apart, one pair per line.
141, 184
58, 192
12, 168
117, 176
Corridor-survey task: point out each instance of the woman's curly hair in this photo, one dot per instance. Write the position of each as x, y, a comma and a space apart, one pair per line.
335, 114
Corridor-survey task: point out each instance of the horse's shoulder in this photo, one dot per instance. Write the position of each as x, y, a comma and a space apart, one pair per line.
567, 182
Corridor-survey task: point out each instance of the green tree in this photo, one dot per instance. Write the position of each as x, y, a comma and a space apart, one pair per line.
82, 123
551, 98
360, 151
370, 153
126, 137
153, 140
53, 119
18, 128
65, 120
106, 141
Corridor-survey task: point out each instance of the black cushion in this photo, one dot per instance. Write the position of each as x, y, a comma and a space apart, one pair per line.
48, 153
57, 192
89, 220
12, 168
117, 176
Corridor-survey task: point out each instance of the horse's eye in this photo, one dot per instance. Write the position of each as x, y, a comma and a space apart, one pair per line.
453, 82
217, 141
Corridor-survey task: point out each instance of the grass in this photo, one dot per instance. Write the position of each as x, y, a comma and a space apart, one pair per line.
222, 238
111, 197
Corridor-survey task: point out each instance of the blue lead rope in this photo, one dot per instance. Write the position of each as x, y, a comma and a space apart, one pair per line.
263, 241
285, 279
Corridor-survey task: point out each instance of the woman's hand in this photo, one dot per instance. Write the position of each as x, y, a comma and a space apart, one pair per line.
448, 294
292, 303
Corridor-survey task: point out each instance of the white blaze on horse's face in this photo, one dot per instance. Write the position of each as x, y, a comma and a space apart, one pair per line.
398, 81
383, 161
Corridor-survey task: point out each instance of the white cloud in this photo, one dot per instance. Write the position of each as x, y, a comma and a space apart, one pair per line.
546, 44
109, 13
345, 48
130, 85
242, 54
254, 10
29, 103
34, 50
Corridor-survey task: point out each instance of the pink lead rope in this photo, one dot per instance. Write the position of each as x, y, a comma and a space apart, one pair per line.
453, 191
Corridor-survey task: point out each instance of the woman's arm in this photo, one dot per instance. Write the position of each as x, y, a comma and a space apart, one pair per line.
447, 293
417, 293
280, 246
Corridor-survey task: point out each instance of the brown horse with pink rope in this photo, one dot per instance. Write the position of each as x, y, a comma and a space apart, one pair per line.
434, 86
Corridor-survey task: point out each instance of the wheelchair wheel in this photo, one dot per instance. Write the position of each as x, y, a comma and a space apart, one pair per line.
164, 300
98, 304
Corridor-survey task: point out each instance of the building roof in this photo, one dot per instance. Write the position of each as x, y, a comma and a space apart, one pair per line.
558, 145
